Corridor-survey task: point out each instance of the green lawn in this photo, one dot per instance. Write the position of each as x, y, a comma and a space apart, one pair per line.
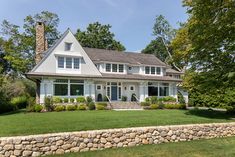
223, 147
36, 123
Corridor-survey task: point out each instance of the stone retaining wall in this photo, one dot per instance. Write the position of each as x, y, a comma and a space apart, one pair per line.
60, 143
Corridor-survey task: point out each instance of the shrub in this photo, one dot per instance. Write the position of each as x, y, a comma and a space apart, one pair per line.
66, 100
48, 102
38, 108
59, 108
147, 99
124, 98
153, 99
71, 100
70, 107
81, 99
145, 104
154, 106
161, 105
82, 107
182, 106
170, 106
168, 99
91, 106
230, 110
19, 102
57, 100
102, 104
89, 99
100, 107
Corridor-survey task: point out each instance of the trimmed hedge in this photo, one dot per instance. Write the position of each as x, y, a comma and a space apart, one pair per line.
105, 104
38, 108
57, 100
59, 108
82, 107
100, 107
71, 107
81, 99
91, 106
145, 103
154, 106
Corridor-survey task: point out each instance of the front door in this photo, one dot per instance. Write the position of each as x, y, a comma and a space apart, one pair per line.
114, 93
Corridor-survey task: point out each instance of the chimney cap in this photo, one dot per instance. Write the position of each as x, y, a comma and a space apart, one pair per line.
40, 23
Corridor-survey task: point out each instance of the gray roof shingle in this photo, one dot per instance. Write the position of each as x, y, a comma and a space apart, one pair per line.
102, 55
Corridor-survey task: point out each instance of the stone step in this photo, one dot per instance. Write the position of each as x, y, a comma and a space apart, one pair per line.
125, 105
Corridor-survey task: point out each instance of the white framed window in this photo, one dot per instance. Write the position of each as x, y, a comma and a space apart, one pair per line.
69, 62
129, 68
99, 87
60, 62
147, 70
132, 88
108, 67
158, 70
68, 46
121, 68
153, 70
115, 68
76, 63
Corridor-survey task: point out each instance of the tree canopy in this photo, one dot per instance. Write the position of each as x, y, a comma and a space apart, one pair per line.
206, 43
18, 44
97, 35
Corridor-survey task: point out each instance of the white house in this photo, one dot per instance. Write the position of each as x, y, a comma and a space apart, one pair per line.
69, 70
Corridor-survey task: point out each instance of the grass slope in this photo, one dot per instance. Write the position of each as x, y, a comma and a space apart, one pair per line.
223, 147
37, 123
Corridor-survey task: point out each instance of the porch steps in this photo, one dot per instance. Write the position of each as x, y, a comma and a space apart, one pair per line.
125, 105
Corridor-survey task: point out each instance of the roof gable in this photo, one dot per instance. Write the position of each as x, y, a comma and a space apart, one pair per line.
49, 63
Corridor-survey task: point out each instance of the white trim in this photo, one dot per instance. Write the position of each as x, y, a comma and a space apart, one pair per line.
131, 86
100, 87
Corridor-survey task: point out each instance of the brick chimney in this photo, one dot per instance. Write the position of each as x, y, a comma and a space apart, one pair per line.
41, 43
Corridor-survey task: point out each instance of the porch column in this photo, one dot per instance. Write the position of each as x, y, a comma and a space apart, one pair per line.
143, 91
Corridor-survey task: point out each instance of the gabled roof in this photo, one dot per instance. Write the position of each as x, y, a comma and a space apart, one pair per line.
172, 71
102, 55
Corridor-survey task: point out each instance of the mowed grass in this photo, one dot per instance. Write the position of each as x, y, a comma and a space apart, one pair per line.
222, 147
37, 123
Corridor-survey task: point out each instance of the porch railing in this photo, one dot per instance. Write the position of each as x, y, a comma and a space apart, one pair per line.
110, 104
137, 100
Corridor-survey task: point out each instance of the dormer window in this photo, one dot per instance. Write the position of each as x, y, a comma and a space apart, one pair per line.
153, 70
115, 68
68, 46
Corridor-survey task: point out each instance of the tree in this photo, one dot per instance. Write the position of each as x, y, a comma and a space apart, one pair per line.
207, 44
18, 48
163, 33
97, 35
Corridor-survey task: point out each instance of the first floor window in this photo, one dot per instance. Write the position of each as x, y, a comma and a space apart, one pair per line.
164, 89
132, 88
76, 89
153, 91
76, 63
60, 89
119, 92
69, 63
60, 62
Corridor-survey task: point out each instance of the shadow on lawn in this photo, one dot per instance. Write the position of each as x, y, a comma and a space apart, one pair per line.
210, 114
13, 112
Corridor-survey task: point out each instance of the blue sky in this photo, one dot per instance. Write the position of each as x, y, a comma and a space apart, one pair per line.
131, 20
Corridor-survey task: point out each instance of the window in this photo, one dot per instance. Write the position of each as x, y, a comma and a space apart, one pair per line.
69, 63
68, 46
76, 63
62, 86
108, 67
147, 70
98, 87
114, 67
60, 62
158, 70
153, 91
164, 89
121, 68
132, 88
76, 89
153, 70
130, 68
119, 92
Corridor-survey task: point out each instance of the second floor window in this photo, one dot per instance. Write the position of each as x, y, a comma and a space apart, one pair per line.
116, 68
68, 63
153, 70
